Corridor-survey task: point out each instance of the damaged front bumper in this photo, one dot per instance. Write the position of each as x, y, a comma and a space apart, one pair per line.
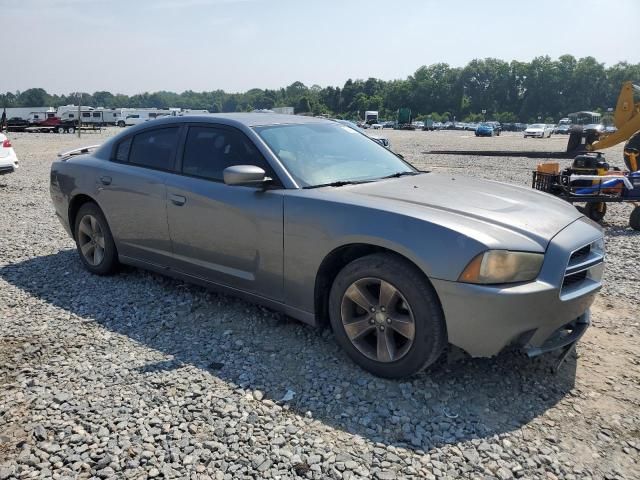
565, 337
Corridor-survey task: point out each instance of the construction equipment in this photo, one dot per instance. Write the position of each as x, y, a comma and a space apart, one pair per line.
626, 118
404, 118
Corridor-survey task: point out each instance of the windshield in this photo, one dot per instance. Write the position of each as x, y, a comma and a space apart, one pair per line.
537, 125
320, 153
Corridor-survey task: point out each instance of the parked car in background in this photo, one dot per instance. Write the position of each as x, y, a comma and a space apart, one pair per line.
309, 217
389, 124
563, 129
485, 130
8, 158
539, 130
376, 126
381, 140
497, 127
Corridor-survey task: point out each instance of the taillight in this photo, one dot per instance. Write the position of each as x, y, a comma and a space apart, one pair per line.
6, 143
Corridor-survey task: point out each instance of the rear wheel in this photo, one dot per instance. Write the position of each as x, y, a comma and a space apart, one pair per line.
634, 219
71, 130
60, 129
94, 240
386, 316
595, 211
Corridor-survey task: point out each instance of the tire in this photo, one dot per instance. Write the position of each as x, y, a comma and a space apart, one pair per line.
121, 123
595, 211
60, 129
634, 219
415, 310
71, 130
632, 147
98, 237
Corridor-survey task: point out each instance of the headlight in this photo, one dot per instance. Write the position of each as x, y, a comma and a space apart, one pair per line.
502, 266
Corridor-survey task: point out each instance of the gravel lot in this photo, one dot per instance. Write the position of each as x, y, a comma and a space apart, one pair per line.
139, 376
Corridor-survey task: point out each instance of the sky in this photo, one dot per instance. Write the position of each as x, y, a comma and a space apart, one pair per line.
133, 46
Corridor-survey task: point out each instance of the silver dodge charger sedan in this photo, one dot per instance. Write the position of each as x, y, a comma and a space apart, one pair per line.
314, 219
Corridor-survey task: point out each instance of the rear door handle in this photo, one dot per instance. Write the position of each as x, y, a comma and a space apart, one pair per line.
178, 200
105, 180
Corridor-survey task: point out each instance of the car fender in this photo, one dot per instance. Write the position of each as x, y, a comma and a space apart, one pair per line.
315, 228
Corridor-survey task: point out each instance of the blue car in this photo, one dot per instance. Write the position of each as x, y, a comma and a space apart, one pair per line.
485, 130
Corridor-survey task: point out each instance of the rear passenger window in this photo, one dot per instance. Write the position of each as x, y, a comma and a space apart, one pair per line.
209, 150
122, 152
155, 148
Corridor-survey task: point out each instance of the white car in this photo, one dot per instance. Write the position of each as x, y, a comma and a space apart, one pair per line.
8, 158
376, 126
539, 130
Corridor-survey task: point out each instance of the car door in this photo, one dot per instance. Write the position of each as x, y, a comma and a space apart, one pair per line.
229, 235
132, 193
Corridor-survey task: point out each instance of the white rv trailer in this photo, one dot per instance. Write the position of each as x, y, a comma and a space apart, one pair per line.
134, 116
90, 115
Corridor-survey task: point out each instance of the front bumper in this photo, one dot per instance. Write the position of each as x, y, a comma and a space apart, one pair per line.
565, 337
484, 319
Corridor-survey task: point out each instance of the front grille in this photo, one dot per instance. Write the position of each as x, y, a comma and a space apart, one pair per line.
580, 253
584, 269
573, 279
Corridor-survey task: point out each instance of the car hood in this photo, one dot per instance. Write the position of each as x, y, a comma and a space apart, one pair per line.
528, 212
534, 129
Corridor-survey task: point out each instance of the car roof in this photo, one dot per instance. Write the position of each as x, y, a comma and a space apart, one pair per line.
252, 119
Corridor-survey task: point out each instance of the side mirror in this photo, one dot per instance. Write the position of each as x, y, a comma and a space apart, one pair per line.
244, 174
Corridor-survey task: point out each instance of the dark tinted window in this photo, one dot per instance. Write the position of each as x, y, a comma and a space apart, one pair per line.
122, 151
155, 148
209, 150
85, 115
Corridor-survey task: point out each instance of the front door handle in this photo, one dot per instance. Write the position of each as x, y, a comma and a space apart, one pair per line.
178, 200
105, 180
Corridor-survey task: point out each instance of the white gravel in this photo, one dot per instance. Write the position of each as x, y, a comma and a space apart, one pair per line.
139, 376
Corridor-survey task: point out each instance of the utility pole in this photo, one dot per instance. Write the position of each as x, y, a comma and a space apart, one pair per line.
79, 112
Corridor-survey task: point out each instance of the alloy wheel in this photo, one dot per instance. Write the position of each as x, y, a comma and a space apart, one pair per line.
91, 240
377, 319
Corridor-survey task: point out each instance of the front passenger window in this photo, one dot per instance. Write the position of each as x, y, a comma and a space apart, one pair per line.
209, 150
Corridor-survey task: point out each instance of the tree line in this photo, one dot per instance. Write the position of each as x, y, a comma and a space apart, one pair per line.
514, 91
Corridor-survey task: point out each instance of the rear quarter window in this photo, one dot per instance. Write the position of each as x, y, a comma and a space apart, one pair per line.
122, 151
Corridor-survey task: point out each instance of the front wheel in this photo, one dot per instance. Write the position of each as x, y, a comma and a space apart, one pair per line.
386, 316
595, 211
94, 240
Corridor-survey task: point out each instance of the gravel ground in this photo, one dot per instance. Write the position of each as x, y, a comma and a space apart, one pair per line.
139, 376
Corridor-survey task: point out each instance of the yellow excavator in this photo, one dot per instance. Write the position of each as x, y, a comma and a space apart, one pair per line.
626, 118
589, 179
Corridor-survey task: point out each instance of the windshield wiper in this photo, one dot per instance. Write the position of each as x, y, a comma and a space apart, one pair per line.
339, 183
401, 174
